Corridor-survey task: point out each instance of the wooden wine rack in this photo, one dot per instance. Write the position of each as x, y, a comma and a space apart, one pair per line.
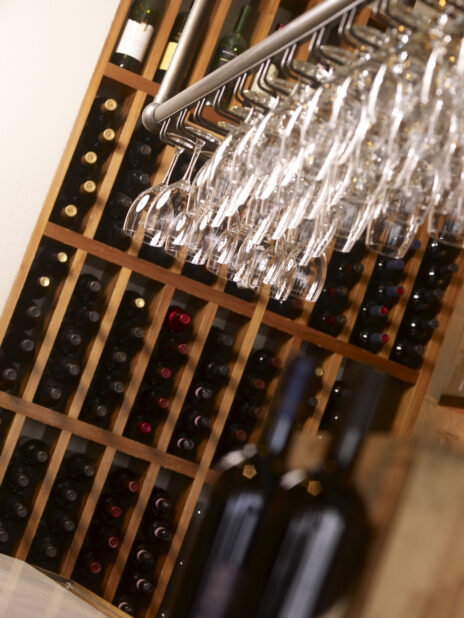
207, 299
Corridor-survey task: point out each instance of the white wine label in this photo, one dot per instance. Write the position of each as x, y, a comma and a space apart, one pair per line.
135, 39
168, 54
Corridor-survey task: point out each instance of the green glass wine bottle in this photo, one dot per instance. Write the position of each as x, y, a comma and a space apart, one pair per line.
136, 36
234, 43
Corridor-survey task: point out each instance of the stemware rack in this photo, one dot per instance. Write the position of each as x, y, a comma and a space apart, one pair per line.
205, 300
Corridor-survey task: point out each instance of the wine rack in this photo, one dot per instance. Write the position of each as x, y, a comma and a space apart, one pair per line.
249, 321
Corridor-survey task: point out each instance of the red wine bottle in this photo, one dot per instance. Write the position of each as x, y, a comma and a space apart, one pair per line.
372, 341
158, 374
126, 604
124, 482
247, 414
140, 427
153, 401
177, 320
372, 313
104, 538
108, 508
388, 295
264, 364
138, 582
408, 353
327, 322
141, 557
89, 567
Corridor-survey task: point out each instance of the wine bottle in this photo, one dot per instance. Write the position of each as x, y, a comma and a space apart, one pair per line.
26, 315
14, 508
69, 340
18, 347
419, 330
239, 505
215, 372
109, 388
44, 549
88, 288
157, 533
50, 394
129, 335
201, 393
95, 410
83, 194
196, 423
139, 156
253, 389
425, 301
157, 374
126, 604
438, 275
327, 322
264, 364
372, 341
233, 437
34, 452
60, 522
104, 538
65, 493
85, 165
332, 415
348, 273
323, 547
141, 557
64, 369
160, 506
102, 113
373, 314
101, 144
177, 320
17, 478
438, 253
248, 414
140, 428
108, 508
173, 351
138, 582
53, 260
171, 46
387, 295
9, 378
88, 567
68, 216
124, 482
80, 467
133, 306
117, 206
111, 233
115, 361
37, 285
290, 308
153, 401
138, 31
183, 445
134, 182
232, 44
4, 534
83, 317
388, 271
408, 353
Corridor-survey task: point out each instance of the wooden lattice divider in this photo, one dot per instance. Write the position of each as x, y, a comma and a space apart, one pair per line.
210, 298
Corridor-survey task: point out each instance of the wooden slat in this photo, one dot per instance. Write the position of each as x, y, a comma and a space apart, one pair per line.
128, 78
452, 401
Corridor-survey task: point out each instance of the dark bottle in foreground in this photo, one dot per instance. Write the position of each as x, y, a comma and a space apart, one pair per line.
322, 550
239, 507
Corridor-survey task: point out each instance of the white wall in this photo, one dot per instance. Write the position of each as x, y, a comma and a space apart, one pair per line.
48, 51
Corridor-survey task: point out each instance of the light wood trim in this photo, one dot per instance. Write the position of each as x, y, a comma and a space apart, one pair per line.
130, 79
267, 10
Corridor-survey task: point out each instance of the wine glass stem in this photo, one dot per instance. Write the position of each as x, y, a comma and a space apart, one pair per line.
177, 152
196, 153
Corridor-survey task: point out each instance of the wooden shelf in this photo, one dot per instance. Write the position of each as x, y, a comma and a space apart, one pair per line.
452, 401
251, 322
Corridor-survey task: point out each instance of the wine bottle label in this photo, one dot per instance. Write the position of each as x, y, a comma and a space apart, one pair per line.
224, 56
135, 39
168, 54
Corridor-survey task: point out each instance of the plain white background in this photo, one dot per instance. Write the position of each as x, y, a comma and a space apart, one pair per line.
48, 51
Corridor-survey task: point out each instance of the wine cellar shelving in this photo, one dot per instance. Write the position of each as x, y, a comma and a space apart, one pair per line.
25, 412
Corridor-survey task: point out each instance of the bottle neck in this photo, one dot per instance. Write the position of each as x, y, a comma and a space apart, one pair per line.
242, 21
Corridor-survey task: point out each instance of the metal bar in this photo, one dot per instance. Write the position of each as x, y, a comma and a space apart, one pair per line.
183, 53
295, 31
